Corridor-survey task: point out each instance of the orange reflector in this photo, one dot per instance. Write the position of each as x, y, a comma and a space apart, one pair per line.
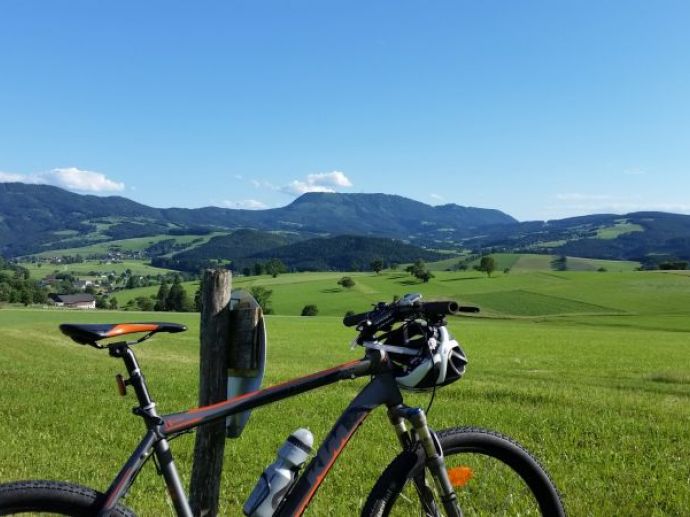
460, 476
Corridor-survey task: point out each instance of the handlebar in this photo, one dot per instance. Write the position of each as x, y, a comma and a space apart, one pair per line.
410, 305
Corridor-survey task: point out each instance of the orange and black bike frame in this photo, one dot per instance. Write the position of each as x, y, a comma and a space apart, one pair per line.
381, 390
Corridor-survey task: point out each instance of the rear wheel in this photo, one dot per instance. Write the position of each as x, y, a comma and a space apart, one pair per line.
52, 498
492, 475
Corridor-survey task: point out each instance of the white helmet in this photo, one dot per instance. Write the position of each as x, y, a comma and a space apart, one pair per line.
439, 360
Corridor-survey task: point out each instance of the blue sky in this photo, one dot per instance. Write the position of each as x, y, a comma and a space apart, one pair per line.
541, 109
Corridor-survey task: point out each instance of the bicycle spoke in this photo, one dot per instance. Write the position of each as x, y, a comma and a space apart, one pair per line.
488, 487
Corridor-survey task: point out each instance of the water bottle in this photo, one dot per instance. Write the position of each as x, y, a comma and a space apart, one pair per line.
277, 479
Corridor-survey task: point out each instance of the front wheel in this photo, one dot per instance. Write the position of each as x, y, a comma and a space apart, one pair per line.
53, 498
492, 475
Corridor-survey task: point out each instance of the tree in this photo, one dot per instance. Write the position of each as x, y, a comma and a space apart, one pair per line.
560, 263
376, 265
25, 296
144, 303
162, 297
263, 298
487, 264
310, 310
258, 268
246, 271
416, 269
177, 299
113, 303
460, 266
425, 276
674, 265
346, 282
197, 299
274, 267
132, 282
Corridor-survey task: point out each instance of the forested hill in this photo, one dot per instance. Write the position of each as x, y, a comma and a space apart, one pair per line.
641, 236
246, 248
346, 253
36, 218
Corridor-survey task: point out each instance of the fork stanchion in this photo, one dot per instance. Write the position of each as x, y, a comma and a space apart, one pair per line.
210, 439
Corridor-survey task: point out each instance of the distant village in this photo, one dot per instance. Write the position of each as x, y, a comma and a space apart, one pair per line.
87, 289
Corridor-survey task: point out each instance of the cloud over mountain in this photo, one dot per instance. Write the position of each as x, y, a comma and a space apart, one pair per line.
69, 178
319, 182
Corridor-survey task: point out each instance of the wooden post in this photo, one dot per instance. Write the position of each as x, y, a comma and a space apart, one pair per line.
210, 439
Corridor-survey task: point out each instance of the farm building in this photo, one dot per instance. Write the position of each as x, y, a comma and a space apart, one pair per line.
74, 301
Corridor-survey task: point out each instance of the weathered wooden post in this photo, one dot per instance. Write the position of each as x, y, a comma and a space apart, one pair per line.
210, 439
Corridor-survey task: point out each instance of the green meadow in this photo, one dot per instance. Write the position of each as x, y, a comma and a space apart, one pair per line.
590, 371
84, 269
127, 245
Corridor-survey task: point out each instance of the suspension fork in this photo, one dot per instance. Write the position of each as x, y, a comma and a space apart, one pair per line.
431, 446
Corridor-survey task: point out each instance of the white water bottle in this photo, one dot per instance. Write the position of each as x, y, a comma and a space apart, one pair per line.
277, 479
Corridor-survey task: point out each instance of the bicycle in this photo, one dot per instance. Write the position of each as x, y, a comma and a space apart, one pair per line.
459, 471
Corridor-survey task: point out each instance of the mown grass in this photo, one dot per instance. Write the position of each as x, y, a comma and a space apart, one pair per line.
620, 228
631, 296
603, 400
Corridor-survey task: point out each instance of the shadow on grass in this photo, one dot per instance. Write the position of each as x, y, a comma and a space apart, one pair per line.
332, 290
409, 282
463, 278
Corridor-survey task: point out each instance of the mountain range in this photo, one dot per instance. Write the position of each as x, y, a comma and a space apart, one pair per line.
37, 218
34, 218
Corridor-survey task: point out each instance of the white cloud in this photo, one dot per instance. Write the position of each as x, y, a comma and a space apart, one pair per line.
437, 197
70, 178
335, 178
264, 185
576, 196
302, 187
9, 177
246, 204
319, 182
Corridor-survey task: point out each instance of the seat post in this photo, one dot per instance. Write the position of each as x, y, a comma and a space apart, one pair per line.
136, 378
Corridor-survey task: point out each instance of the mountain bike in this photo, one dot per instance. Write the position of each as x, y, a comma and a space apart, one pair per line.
454, 472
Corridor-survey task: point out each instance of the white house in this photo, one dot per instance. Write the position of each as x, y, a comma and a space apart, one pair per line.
74, 301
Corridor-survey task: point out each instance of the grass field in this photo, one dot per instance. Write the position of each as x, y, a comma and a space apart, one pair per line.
83, 269
590, 371
134, 244
529, 262
632, 296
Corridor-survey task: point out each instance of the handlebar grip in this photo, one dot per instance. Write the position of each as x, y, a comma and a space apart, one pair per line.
467, 308
441, 308
354, 319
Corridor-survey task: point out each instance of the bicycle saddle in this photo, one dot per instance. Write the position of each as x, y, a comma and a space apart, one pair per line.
89, 333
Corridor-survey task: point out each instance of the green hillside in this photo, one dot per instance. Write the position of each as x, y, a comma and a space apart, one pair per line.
129, 245
530, 262
626, 298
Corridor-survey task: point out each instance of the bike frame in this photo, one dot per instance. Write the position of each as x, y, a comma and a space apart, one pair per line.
382, 389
